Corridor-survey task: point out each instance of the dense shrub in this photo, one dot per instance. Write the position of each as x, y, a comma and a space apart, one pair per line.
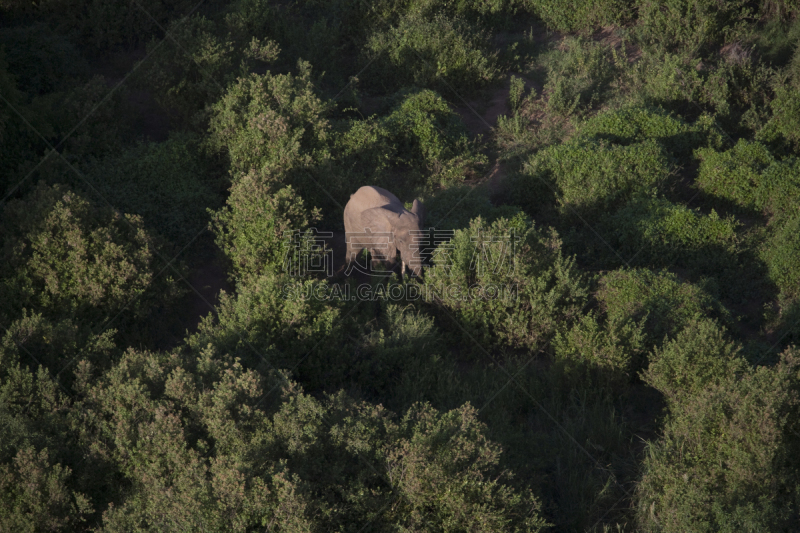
776, 39
578, 78
693, 25
167, 184
36, 496
275, 321
699, 355
783, 129
736, 174
364, 150
725, 461
657, 232
669, 80
442, 53
737, 89
661, 299
572, 15
779, 193
506, 283
32, 340
429, 136
401, 358
637, 124
65, 257
597, 354
782, 256
190, 70
271, 122
252, 227
751, 176
276, 126
590, 177
311, 465
734, 91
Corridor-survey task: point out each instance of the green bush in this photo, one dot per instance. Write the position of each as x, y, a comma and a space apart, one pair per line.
781, 253
660, 299
727, 458
399, 360
506, 283
590, 177
275, 321
441, 53
700, 355
782, 131
65, 257
668, 80
692, 25
779, 193
251, 229
365, 149
167, 184
638, 124
776, 40
751, 176
32, 340
578, 78
657, 232
36, 496
599, 354
200, 441
737, 89
576, 15
271, 122
276, 125
189, 70
736, 174
733, 91
430, 137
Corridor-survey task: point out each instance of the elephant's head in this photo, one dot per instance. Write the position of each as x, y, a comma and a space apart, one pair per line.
408, 238
404, 226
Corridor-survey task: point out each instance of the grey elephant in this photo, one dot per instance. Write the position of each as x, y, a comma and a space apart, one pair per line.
375, 219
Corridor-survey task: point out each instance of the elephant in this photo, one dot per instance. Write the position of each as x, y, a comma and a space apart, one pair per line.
375, 219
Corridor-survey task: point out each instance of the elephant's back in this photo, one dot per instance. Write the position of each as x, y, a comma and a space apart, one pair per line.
370, 196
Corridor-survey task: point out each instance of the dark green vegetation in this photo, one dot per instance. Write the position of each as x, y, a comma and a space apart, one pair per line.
637, 162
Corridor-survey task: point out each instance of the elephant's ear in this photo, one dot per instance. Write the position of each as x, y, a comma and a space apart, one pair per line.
378, 219
418, 209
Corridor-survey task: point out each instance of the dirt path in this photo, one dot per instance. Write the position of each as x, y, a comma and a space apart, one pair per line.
480, 117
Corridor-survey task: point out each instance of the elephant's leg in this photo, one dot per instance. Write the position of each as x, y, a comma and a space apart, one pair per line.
381, 261
348, 257
351, 257
376, 259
